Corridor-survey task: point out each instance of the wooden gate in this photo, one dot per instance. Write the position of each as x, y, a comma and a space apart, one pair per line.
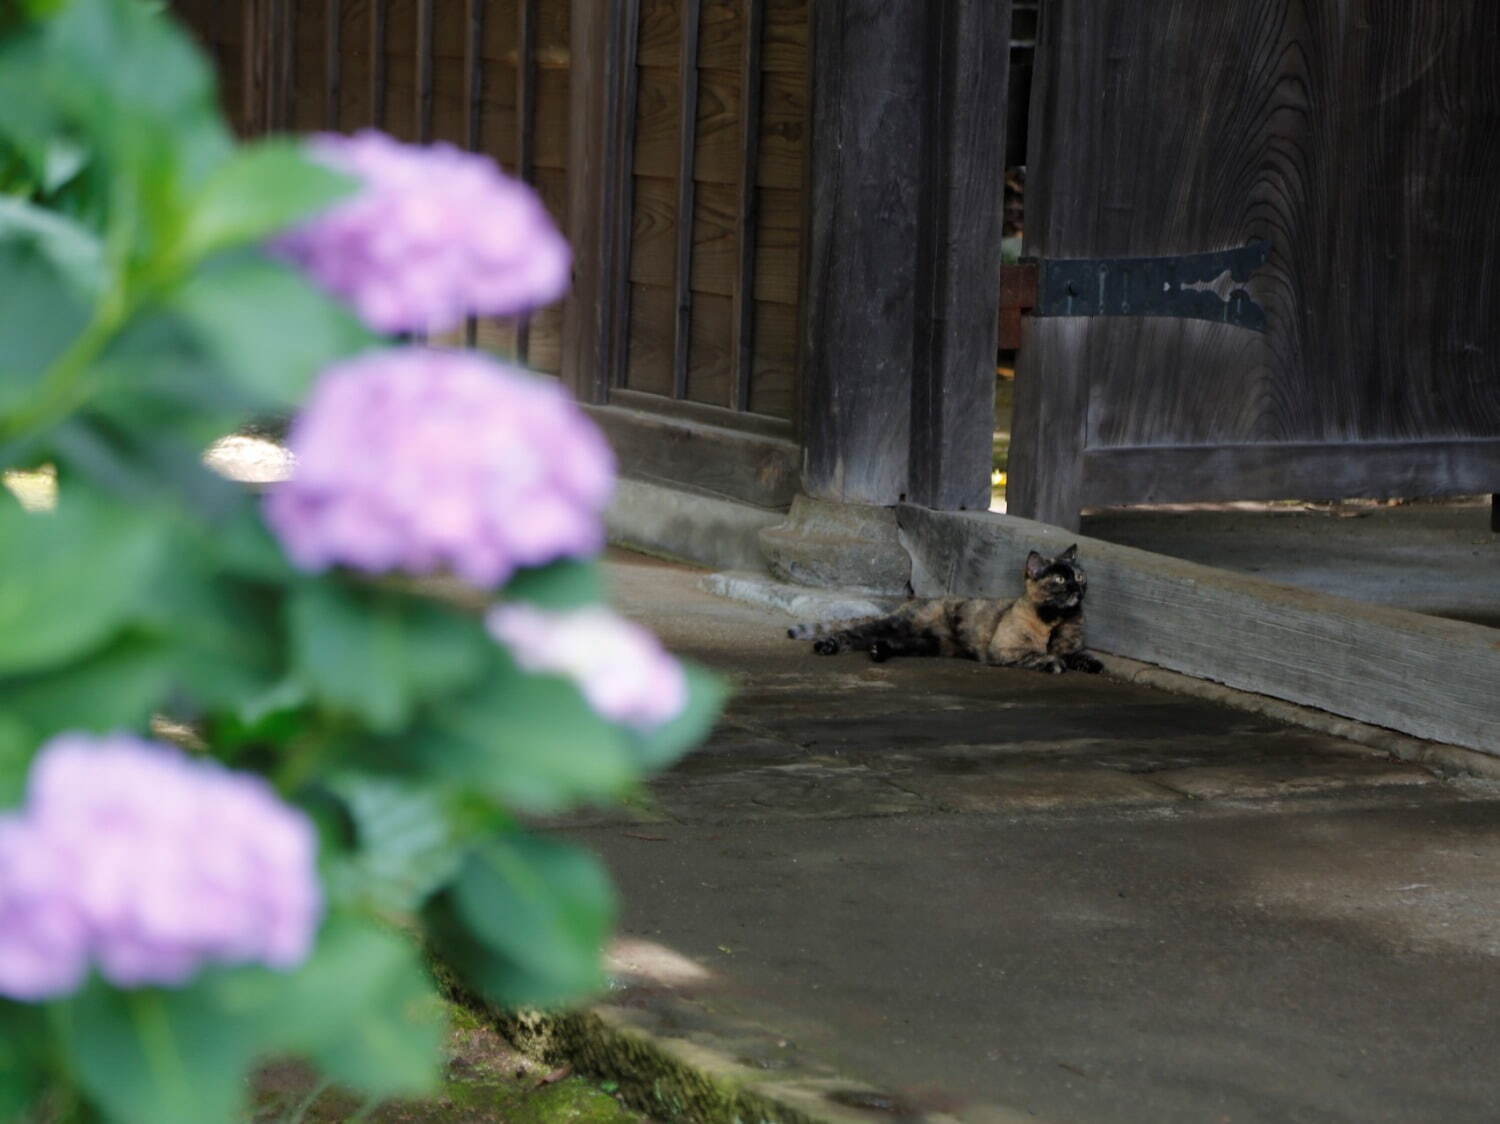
1361, 140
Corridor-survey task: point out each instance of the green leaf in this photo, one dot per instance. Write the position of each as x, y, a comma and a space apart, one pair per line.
157, 377
264, 189
406, 845
72, 250
526, 921
71, 577
17, 745
529, 741
362, 1009
659, 747
268, 327
118, 687
23, 1058
158, 1057
568, 584
41, 314
377, 654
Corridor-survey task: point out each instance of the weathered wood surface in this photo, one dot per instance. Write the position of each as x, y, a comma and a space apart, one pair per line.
869, 75
1360, 140
725, 462
714, 197
958, 263
1380, 469
1424, 676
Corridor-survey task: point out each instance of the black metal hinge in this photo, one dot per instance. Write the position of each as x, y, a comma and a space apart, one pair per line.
1207, 286
1197, 286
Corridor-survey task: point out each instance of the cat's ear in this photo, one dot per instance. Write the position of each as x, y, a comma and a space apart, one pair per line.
1036, 565
1069, 555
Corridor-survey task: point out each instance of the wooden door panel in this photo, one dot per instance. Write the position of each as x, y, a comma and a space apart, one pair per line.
1362, 140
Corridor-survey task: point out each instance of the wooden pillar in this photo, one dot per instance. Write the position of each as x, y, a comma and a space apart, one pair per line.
958, 265
601, 106
902, 292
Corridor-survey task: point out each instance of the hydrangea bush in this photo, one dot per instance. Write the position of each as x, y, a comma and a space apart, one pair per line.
354, 758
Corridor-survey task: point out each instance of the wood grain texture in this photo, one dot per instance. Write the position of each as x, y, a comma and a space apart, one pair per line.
868, 73
719, 460
747, 220
1178, 473
687, 142
1421, 675
959, 254
1359, 140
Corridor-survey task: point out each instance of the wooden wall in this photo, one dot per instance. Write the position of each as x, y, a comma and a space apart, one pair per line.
489, 75
719, 134
714, 109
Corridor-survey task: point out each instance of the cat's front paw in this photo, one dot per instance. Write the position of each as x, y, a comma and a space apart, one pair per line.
1051, 666
1083, 661
880, 651
826, 647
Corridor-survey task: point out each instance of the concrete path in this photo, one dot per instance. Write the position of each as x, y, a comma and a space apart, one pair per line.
1069, 897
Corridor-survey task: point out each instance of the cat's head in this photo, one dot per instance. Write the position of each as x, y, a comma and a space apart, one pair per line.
1056, 583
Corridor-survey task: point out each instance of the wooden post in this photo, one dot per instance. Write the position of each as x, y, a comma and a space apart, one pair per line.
600, 35
958, 267
868, 91
906, 180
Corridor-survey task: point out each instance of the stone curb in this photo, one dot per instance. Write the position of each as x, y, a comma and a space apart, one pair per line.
676, 1060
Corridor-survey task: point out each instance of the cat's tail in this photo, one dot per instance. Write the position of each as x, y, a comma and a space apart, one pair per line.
827, 628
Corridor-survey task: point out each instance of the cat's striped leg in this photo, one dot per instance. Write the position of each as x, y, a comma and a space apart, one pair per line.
1067, 645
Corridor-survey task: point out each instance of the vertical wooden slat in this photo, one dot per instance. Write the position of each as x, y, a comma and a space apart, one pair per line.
525, 128
597, 37
424, 70
332, 62
744, 278
623, 209
253, 48
286, 86
687, 140
473, 105
377, 63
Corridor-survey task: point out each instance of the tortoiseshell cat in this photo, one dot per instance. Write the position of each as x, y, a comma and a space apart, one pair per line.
1042, 629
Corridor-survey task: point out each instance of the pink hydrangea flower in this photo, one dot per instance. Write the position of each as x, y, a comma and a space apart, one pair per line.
622, 669
151, 865
435, 235
424, 461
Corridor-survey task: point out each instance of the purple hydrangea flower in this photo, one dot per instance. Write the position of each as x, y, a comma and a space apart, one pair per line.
424, 461
435, 235
151, 865
622, 669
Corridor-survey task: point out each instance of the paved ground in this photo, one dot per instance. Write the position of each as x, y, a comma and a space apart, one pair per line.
1068, 896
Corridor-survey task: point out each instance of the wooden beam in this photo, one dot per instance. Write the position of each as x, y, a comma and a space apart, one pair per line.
740, 466
597, 163
687, 144
1283, 471
749, 211
378, 67
423, 107
473, 106
868, 78
623, 200
1424, 676
959, 255
332, 62
525, 128
1048, 427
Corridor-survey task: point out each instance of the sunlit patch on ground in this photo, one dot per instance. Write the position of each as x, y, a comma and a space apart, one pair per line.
251, 460
36, 488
